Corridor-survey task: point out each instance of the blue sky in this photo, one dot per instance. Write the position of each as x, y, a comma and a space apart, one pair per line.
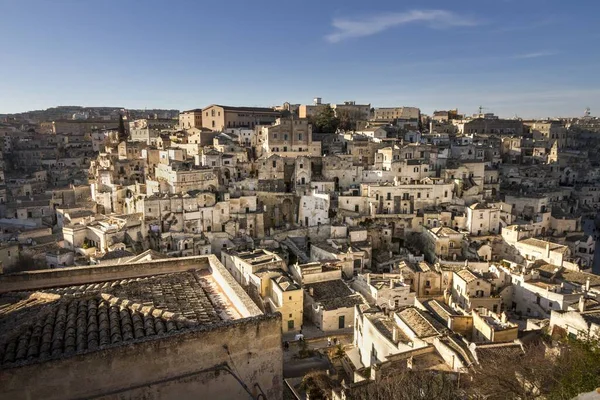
532, 58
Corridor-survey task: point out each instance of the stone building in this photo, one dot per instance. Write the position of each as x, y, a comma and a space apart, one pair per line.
218, 117
330, 304
190, 119
471, 290
388, 291
390, 114
181, 177
185, 313
380, 337
442, 243
148, 130
490, 126
482, 219
287, 137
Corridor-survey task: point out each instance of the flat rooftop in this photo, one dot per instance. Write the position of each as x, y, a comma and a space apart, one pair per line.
257, 257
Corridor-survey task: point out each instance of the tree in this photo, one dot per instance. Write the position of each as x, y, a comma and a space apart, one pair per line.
510, 373
317, 385
541, 372
408, 385
325, 120
576, 369
348, 119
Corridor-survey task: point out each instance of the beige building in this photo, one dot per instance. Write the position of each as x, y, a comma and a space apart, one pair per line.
470, 290
190, 119
148, 130
287, 298
388, 291
218, 117
549, 130
490, 327
442, 243
482, 219
390, 114
76, 126
489, 125
359, 112
330, 304
246, 263
181, 178
535, 249
287, 137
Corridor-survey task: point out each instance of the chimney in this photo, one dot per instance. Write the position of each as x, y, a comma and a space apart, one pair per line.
391, 283
311, 291
395, 334
503, 317
547, 249
587, 284
375, 372
368, 278
581, 305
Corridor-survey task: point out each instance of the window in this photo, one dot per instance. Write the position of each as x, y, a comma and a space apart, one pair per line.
290, 324
290, 297
274, 164
299, 136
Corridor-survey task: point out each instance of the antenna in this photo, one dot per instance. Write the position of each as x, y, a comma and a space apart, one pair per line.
587, 112
481, 108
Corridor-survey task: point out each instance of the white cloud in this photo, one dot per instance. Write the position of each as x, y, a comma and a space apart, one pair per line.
536, 54
352, 28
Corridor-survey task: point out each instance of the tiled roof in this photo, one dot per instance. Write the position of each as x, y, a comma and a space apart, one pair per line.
84, 324
334, 294
385, 325
568, 275
541, 244
420, 322
63, 321
444, 231
466, 275
439, 309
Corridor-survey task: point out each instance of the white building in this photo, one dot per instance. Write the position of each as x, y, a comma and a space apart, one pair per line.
387, 291
314, 209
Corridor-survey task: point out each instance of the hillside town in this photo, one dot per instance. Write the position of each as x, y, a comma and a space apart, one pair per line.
300, 251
